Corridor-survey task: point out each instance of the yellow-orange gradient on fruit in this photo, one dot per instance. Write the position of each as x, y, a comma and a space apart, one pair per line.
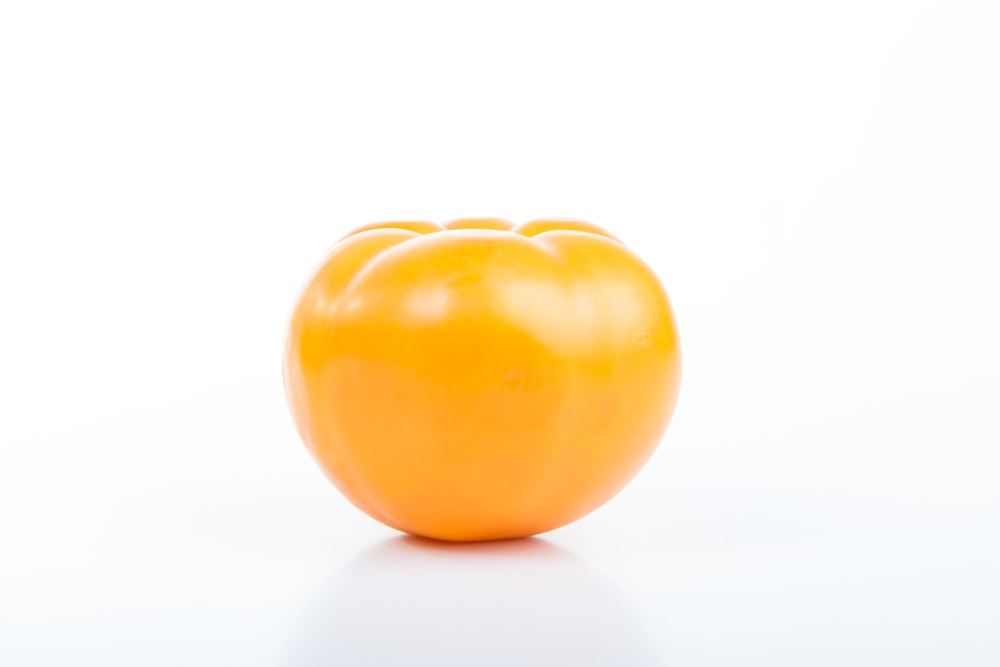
478, 380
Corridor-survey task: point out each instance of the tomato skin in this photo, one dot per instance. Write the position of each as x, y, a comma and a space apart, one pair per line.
477, 380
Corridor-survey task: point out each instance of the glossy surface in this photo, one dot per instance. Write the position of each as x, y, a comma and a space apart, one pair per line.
477, 380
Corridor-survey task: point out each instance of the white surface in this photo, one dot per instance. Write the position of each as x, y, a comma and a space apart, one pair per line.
815, 183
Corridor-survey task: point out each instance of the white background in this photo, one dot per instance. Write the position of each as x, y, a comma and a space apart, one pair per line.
815, 182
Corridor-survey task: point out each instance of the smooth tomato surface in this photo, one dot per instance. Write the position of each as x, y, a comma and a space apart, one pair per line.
477, 380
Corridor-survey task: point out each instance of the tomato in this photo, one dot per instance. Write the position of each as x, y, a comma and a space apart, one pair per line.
478, 380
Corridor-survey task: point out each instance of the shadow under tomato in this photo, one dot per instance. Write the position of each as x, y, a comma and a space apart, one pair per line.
410, 601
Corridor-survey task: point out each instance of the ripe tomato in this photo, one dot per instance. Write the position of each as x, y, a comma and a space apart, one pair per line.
477, 380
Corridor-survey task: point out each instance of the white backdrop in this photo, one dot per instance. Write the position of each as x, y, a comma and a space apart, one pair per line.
816, 184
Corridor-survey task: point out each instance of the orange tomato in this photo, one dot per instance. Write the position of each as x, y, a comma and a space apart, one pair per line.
477, 380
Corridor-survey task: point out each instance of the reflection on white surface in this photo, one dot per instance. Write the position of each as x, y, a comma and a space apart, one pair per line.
410, 601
